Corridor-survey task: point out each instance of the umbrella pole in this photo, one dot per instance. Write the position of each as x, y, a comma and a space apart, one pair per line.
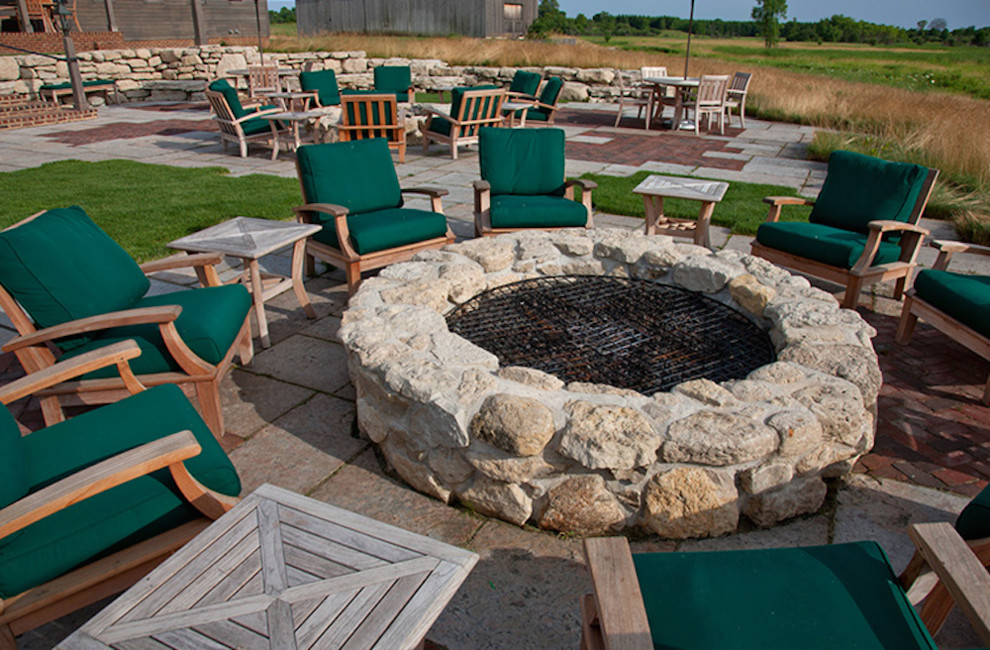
687, 57
257, 18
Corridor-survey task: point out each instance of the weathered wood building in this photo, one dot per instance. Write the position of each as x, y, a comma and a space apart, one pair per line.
478, 18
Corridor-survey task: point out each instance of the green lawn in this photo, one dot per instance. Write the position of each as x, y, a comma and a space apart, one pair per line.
142, 206
741, 209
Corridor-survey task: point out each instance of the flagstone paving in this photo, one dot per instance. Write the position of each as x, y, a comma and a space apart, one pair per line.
290, 415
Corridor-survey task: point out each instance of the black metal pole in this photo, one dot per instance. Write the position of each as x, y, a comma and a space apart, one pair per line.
687, 57
257, 17
75, 78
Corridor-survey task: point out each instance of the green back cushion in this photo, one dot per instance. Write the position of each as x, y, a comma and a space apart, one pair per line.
442, 125
537, 211
385, 229
825, 244
209, 323
395, 79
230, 94
828, 597
62, 267
964, 297
358, 175
324, 82
13, 473
860, 189
121, 516
974, 520
525, 82
550, 91
522, 161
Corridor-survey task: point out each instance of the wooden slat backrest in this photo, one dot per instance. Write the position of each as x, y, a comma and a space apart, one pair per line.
660, 71
711, 90
262, 78
221, 112
740, 83
480, 108
369, 116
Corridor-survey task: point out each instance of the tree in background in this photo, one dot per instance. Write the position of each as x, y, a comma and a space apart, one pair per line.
606, 24
549, 19
768, 14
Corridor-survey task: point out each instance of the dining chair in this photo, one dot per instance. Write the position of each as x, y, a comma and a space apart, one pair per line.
709, 100
263, 79
662, 95
736, 96
638, 95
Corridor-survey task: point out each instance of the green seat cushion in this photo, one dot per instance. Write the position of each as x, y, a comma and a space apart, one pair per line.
964, 297
394, 79
525, 82
13, 474
324, 82
840, 596
121, 516
229, 93
256, 126
832, 246
859, 189
537, 211
62, 267
86, 84
522, 161
385, 229
974, 520
442, 126
209, 323
358, 175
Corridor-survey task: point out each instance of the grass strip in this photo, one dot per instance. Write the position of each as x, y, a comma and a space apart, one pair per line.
141, 206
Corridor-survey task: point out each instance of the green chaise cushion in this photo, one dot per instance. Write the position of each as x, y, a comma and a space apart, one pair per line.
256, 126
385, 229
229, 93
828, 597
442, 125
860, 189
508, 211
209, 323
13, 473
394, 79
121, 516
974, 520
62, 267
358, 175
324, 82
90, 83
525, 82
833, 246
522, 161
964, 297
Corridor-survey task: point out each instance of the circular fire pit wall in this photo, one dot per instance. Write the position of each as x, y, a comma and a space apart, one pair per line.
684, 455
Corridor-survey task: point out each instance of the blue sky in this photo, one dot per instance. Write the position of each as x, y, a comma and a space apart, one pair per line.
906, 13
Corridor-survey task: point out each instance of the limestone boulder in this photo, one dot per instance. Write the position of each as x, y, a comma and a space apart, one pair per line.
838, 405
717, 438
507, 469
492, 253
608, 437
574, 91
800, 432
689, 502
798, 497
504, 500
9, 70
705, 273
750, 294
518, 425
531, 377
582, 505
849, 362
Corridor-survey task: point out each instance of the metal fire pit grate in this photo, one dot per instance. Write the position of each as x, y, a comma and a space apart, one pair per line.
626, 333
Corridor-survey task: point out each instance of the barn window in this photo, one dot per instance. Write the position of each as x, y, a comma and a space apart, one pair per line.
513, 11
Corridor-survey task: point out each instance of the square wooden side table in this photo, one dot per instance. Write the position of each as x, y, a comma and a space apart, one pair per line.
250, 239
656, 187
283, 571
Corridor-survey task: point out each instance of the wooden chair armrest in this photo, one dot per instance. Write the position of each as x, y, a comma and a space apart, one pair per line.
435, 193
438, 113
513, 95
332, 209
181, 261
948, 246
142, 316
482, 186
98, 478
251, 116
117, 354
890, 226
960, 571
621, 613
787, 200
584, 183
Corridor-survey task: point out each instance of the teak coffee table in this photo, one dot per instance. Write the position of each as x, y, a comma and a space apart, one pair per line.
657, 187
282, 571
250, 239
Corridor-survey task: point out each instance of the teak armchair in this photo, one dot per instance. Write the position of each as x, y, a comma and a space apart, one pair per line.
545, 108
470, 109
837, 596
395, 79
71, 289
524, 85
523, 184
373, 116
863, 227
241, 123
90, 505
957, 304
323, 85
352, 190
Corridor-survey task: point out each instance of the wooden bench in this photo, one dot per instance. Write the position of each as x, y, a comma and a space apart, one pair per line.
54, 92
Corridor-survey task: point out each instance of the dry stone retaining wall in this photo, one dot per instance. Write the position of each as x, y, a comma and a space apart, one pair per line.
521, 445
181, 74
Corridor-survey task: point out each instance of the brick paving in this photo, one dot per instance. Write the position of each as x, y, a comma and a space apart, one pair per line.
130, 131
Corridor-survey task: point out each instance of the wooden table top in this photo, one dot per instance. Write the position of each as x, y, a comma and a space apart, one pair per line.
682, 188
245, 237
284, 571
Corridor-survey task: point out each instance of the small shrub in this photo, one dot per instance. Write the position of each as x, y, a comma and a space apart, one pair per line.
973, 227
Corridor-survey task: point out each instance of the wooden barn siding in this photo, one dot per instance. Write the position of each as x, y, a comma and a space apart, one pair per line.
438, 17
164, 19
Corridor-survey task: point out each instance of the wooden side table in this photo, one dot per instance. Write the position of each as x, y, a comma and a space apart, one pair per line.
657, 187
250, 239
284, 571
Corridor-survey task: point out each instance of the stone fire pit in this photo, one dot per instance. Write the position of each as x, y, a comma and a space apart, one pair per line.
519, 444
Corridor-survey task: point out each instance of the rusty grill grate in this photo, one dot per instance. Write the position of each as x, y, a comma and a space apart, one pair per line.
627, 333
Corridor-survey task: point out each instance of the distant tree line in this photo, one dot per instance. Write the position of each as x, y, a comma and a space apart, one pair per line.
283, 15
837, 29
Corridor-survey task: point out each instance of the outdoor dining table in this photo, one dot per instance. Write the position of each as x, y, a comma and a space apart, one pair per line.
289, 101
681, 85
294, 118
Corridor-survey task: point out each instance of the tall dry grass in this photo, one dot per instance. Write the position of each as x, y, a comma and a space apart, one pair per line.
951, 132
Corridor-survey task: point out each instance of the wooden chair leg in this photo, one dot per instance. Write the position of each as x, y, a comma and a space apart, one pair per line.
851, 298
905, 329
986, 392
7, 641
245, 347
353, 277
899, 285
243, 144
936, 608
208, 395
